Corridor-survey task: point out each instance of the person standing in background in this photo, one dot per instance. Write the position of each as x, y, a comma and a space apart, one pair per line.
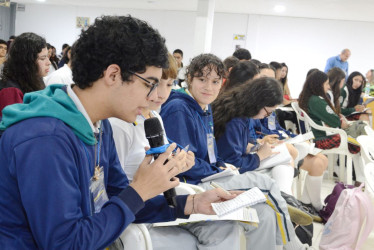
178, 56
340, 61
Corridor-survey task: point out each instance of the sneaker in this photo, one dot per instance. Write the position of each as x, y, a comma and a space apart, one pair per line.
312, 212
299, 217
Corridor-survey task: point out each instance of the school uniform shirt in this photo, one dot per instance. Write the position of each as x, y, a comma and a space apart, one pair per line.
343, 100
232, 145
186, 123
320, 112
46, 166
130, 141
63, 75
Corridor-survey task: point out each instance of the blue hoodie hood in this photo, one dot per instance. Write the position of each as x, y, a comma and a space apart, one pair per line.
52, 101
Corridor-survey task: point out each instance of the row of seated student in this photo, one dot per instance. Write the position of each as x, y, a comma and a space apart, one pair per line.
35, 58
322, 109
58, 149
195, 99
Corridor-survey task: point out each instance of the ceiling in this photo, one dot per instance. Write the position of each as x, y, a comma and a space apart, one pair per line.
356, 10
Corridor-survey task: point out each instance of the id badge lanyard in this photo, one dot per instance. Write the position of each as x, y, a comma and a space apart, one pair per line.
97, 186
271, 122
210, 141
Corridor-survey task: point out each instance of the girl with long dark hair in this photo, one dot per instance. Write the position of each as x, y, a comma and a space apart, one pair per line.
350, 96
24, 69
336, 80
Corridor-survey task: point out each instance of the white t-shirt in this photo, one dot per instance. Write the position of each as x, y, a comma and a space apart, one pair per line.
130, 141
63, 75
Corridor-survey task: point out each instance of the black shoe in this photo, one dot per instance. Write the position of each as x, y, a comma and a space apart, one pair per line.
312, 212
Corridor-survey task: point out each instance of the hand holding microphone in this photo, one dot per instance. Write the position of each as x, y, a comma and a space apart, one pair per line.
155, 135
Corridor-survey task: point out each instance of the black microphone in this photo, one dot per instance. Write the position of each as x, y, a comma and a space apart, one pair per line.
155, 135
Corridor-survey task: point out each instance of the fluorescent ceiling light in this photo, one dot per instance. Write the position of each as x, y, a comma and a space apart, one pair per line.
279, 8
40, 0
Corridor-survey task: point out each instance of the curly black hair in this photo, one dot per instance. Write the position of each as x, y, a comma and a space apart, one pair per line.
21, 66
130, 43
245, 101
198, 64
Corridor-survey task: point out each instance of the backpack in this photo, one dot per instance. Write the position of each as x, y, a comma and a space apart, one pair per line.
331, 200
351, 222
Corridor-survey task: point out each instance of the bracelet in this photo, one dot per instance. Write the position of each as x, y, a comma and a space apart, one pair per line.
193, 204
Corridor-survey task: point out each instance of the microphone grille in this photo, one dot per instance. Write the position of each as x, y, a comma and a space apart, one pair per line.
152, 127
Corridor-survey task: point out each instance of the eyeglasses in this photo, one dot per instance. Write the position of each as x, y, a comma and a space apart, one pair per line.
267, 112
152, 85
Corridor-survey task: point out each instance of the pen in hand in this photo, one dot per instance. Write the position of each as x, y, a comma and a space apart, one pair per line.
215, 185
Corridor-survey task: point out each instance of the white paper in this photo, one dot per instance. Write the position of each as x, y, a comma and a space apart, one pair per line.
245, 214
283, 157
227, 172
248, 198
301, 138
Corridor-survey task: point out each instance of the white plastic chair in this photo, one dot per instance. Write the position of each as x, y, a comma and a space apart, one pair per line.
342, 150
367, 148
369, 179
136, 236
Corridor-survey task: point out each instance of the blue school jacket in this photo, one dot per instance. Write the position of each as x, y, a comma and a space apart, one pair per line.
187, 124
232, 145
45, 201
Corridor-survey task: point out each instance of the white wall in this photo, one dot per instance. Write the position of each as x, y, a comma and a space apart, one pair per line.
302, 43
57, 23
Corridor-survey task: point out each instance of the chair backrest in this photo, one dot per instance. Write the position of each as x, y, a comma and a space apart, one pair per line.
369, 178
302, 116
367, 148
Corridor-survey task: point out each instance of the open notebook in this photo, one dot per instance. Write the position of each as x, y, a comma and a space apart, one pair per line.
244, 214
283, 157
248, 198
227, 172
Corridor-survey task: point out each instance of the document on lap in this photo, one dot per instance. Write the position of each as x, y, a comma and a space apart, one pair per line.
227, 172
248, 198
244, 214
283, 157
300, 138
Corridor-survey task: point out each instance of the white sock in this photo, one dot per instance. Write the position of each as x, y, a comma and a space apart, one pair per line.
283, 176
295, 244
313, 186
305, 196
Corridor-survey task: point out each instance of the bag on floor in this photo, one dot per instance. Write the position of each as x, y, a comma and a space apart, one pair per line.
331, 200
351, 222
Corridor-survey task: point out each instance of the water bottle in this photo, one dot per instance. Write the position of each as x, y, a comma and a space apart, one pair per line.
367, 89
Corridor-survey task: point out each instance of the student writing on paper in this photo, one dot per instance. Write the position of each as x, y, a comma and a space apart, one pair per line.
313, 99
232, 129
350, 95
188, 120
315, 165
130, 143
